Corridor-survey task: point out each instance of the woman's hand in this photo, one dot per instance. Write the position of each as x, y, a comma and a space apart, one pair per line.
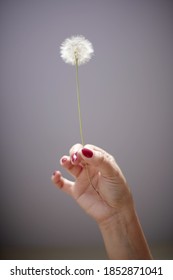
101, 190
99, 187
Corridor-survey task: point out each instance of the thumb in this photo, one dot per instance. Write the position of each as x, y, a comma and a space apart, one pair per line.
102, 161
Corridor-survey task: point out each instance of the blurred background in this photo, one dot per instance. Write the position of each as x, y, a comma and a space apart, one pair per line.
126, 103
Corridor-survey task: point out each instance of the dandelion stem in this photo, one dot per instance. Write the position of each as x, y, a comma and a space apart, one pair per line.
78, 102
80, 120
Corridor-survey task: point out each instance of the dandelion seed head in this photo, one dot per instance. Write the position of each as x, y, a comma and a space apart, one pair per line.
76, 49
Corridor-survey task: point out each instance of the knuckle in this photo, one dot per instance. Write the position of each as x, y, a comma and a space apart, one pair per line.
106, 159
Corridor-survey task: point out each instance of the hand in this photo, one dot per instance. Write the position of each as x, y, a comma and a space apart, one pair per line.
99, 187
101, 190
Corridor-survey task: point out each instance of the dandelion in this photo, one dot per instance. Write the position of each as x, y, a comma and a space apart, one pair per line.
76, 48
76, 51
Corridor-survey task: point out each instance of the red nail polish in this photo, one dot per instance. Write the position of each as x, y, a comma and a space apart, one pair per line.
74, 157
87, 153
64, 159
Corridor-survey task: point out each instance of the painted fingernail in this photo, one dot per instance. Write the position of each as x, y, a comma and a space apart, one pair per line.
74, 157
87, 153
64, 159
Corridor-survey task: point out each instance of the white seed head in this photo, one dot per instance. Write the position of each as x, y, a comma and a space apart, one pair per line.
76, 49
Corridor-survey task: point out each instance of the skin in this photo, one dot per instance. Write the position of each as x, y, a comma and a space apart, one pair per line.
100, 188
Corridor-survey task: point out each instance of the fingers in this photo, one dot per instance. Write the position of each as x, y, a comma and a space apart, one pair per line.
69, 164
102, 161
75, 148
75, 156
62, 183
96, 159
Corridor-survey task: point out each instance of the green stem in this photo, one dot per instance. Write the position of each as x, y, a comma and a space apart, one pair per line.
80, 119
78, 102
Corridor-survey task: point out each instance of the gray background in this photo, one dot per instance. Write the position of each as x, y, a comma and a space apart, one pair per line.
126, 96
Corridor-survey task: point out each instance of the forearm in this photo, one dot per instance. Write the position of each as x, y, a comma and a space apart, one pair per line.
123, 236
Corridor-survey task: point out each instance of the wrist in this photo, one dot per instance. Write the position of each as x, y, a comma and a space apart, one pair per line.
121, 219
123, 236
123, 213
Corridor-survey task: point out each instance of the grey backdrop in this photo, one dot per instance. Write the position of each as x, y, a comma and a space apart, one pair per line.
126, 96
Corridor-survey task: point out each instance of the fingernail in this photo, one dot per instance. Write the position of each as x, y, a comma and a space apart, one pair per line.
74, 157
54, 173
87, 153
64, 159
